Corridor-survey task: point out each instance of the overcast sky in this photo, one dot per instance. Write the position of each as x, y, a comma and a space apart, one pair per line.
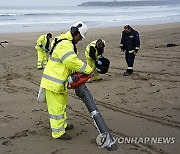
42, 2
46, 2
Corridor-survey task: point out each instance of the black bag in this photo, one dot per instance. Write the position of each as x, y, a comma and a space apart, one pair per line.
102, 69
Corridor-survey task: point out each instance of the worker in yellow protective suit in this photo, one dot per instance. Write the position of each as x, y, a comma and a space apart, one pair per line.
43, 47
93, 52
62, 63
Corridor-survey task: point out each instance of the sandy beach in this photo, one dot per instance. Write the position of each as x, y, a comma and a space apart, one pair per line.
145, 104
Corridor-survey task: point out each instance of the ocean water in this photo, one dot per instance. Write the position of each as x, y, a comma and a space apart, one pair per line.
13, 20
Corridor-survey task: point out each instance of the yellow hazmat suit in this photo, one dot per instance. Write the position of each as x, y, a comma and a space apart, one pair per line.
90, 61
62, 63
41, 51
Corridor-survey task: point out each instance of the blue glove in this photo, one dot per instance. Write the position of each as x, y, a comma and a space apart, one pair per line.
99, 62
43, 48
102, 55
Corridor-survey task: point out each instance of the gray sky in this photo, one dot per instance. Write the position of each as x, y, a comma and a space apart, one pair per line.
42, 2
46, 2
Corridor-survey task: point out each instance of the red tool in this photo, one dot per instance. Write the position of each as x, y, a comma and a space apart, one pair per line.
78, 79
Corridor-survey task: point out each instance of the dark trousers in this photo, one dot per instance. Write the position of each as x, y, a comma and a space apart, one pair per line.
129, 60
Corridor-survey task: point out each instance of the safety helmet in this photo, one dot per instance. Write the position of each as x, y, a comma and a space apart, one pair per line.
79, 27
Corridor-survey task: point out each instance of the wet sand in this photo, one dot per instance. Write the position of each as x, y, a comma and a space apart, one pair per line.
145, 104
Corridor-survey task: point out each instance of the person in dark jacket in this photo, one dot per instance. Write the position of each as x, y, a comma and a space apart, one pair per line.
130, 44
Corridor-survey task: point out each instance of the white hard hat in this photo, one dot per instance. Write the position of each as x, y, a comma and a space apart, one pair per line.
81, 27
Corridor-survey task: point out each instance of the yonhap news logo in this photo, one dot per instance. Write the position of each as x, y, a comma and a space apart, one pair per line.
103, 140
145, 140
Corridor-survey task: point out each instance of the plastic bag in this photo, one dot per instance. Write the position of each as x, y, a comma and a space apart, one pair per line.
41, 95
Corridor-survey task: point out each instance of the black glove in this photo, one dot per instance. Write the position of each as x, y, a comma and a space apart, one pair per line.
122, 48
136, 50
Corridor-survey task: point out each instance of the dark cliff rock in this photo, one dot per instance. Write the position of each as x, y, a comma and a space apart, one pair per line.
127, 3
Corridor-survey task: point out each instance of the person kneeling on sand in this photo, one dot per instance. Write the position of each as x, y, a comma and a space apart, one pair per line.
62, 63
93, 52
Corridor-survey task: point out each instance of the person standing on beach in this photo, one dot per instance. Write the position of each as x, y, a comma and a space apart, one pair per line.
62, 63
43, 47
93, 52
130, 44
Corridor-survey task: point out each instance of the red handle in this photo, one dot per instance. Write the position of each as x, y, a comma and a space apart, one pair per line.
81, 79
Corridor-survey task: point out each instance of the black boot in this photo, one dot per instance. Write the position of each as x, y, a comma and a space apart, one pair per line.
128, 72
65, 136
69, 127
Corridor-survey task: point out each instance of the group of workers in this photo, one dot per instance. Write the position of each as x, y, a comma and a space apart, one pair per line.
63, 62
